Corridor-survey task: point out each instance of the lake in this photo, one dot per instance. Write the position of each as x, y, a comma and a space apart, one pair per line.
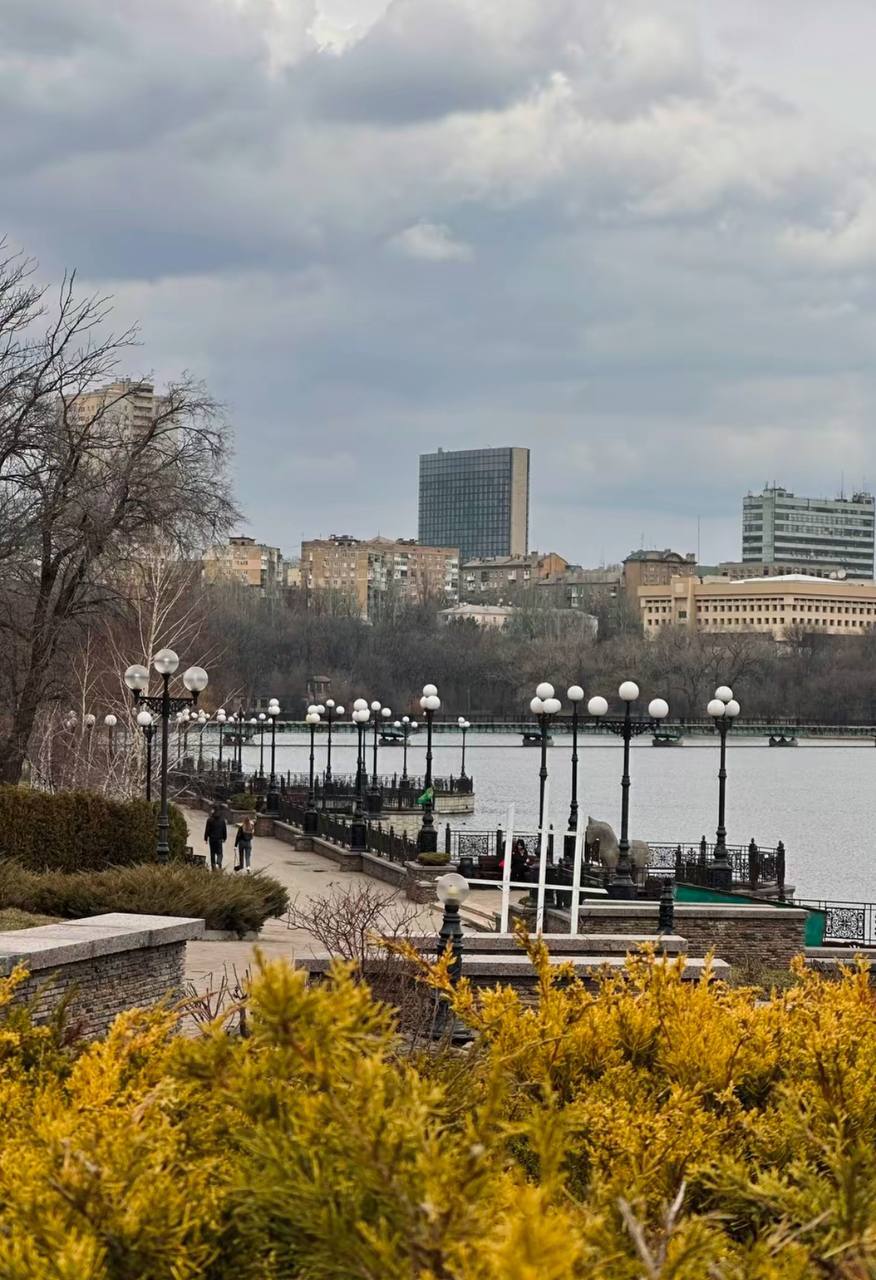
819, 798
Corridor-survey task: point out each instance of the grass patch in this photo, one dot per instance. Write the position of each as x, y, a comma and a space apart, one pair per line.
12, 918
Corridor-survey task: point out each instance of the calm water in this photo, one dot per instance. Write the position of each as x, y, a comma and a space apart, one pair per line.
820, 799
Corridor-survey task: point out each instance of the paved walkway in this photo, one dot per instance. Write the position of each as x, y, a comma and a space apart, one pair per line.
304, 875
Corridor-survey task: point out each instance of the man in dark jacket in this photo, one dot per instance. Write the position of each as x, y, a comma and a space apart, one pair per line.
216, 833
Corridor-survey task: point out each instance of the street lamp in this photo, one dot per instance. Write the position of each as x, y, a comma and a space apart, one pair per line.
360, 721
202, 724
575, 694
622, 884
273, 804
723, 709
427, 837
110, 721
166, 664
464, 728
221, 720
407, 726
543, 706
311, 817
452, 890
262, 719
374, 794
332, 713
144, 720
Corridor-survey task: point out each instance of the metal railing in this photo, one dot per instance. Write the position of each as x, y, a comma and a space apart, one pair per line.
750, 866
846, 923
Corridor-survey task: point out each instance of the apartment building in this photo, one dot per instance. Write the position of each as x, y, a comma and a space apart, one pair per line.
767, 606
244, 560
496, 577
133, 405
375, 571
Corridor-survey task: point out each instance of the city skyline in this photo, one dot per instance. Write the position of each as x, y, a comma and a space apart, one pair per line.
638, 241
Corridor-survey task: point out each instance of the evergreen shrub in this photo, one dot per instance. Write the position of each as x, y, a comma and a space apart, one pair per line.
81, 830
237, 903
650, 1130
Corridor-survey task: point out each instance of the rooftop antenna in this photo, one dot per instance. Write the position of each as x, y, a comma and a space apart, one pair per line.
842, 486
698, 539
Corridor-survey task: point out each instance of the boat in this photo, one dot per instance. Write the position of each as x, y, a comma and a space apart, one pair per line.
668, 738
392, 737
534, 740
782, 741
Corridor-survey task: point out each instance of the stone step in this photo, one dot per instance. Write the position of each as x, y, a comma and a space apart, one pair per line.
564, 944
484, 970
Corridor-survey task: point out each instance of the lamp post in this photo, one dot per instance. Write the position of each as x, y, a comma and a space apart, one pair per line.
110, 721
221, 720
452, 890
262, 718
575, 694
407, 726
723, 709
427, 837
360, 721
464, 727
543, 706
361, 716
202, 724
144, 720
375, 797
273, 804
166, 664
311, 817
332, 713
622, 884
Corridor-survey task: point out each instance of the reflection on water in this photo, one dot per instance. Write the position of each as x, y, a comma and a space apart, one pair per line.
821, 800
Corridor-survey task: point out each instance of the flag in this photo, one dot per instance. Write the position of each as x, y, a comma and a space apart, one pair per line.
427, 797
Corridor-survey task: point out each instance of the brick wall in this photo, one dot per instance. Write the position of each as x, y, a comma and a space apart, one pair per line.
102, 965
746, 935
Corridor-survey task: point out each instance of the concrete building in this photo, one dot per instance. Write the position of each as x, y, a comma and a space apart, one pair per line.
244, 560
377, 571
485, 615
769, 606
779, 527
132, 404
655, 568
738, 569
476, 500
503, 577
578, 588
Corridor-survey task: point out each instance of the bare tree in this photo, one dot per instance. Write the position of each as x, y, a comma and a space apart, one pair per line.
86, 484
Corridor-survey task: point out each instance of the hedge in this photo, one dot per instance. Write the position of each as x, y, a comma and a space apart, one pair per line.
81, 830
651, 1129
237, 903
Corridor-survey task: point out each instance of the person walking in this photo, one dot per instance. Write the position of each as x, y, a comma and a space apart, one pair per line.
216, 833
243, 843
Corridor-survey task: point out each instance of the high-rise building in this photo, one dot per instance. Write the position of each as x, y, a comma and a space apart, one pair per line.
477, 500
379, 572
133, 405
777, 526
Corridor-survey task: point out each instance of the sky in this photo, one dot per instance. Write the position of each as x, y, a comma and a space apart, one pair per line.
637, 237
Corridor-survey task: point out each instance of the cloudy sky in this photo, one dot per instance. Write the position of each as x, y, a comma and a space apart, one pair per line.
638, 236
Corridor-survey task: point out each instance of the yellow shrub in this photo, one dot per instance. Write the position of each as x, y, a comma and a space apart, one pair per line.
651, 1128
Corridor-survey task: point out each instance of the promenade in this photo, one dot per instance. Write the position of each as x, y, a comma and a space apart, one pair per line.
303, 875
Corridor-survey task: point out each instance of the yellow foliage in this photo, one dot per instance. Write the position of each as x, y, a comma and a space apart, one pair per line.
650, 1128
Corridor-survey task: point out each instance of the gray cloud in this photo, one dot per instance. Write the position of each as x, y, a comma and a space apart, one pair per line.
604, 231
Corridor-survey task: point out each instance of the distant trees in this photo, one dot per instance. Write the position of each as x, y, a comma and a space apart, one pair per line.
86, 484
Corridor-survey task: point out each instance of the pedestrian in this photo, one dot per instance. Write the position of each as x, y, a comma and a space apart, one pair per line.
243, 842
216, 833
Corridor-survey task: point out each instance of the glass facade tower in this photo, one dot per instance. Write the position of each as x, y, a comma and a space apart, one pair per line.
778, 526
477, 500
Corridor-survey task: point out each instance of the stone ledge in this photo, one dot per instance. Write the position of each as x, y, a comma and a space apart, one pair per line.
563, 943
482, 969
72, 941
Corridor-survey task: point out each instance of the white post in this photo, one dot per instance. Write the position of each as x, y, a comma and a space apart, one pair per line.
542, 860
506, 871
576, 878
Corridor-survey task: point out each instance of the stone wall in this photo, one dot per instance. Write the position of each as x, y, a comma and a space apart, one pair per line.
744, 935
104, 964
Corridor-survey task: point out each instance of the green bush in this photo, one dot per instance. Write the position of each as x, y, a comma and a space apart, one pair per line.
237, 903
433, 859
81, 830
243, 800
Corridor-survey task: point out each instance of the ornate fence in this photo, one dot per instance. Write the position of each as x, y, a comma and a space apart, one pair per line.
846, 923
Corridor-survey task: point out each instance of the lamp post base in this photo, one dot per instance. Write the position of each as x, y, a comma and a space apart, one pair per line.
623, 889
373, 800
272, 805
569, 840
427, 836
311, 818
358, 833
721, 876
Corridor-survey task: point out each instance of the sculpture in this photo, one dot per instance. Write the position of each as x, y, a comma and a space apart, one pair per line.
603, 832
